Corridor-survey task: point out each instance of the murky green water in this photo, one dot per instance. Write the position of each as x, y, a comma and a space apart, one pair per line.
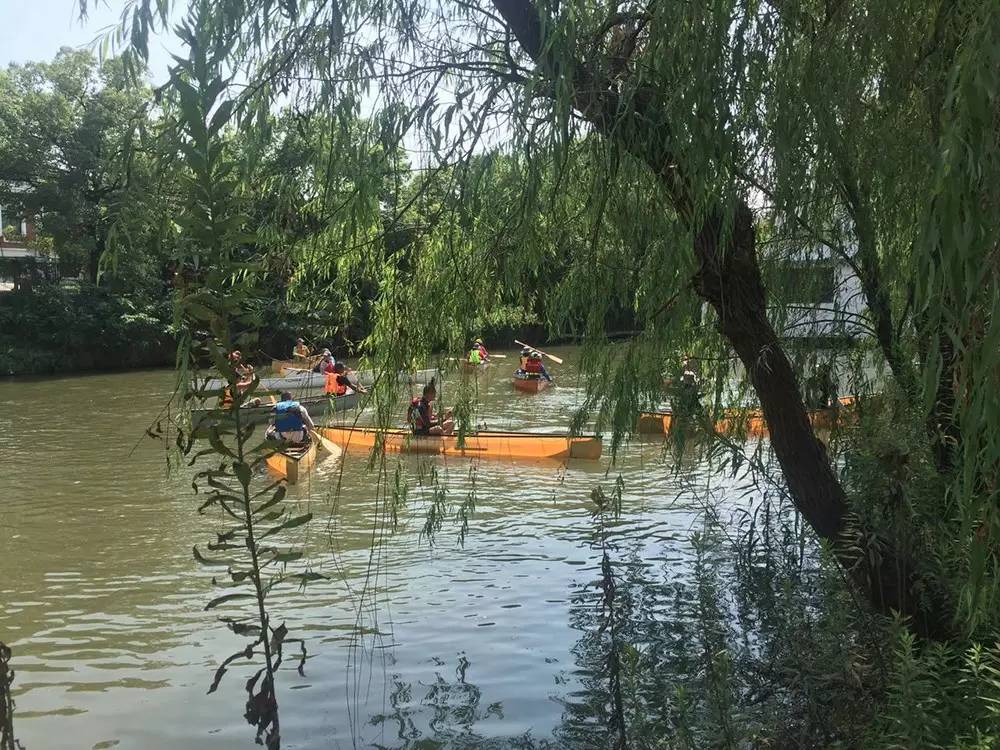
410, 640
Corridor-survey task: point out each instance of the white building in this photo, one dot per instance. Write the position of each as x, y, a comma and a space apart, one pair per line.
820, 296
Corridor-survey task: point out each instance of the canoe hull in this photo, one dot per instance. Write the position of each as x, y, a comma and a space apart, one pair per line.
293, 462
318, 408
748, 422
484, 444
530, 385
280, 366
298, 382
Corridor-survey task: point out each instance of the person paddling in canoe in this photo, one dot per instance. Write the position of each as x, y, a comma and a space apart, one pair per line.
523, 361
478, 354
291, 421
244, 374
339, 383
301, 351
326, 363
534, 367
421, 415
686, 396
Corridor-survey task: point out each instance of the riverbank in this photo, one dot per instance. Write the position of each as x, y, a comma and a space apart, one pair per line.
83, 327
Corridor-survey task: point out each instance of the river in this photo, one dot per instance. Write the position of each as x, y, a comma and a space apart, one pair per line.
414, 640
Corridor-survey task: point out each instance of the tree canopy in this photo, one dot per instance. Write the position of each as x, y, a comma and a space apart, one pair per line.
650, 161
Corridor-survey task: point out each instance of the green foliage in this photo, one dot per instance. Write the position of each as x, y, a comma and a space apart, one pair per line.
73, 146
566, 158
58, 328
216, 292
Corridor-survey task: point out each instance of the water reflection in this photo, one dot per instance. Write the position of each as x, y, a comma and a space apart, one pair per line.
467, 618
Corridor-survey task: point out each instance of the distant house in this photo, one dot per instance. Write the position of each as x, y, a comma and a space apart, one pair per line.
821, 296
23, 258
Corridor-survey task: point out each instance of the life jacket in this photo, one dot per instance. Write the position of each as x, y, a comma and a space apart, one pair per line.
533, 366
227, 398
475, 356
334, 385
415, 415
287, 417
301, 351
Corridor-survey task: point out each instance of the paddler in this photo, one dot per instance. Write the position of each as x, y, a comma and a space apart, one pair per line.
534, 367
525, 353
244, 370
688, 400
820, 390
244, 375
326, 363
338, 383
478, 354
301, 351
421, 415
291, 421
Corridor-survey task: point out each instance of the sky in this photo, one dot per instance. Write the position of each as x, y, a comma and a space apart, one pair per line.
36, 29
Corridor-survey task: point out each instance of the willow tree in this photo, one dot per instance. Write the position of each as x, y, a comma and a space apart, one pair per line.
683, 129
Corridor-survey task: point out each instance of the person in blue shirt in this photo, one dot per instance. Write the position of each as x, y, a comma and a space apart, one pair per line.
291, 421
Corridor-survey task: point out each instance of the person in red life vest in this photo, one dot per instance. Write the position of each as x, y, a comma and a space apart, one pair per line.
291, 421
525, 353
326, 363
534, 368
421, 415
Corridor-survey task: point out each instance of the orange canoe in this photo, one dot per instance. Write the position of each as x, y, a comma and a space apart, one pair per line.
750, 422
485, 444
529, 384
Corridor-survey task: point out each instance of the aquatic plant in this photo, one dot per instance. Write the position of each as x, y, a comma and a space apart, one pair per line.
253, 513
7, 739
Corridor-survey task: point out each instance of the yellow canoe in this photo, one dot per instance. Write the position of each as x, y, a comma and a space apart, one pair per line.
749, 422
280, 366
485, 444
293, 461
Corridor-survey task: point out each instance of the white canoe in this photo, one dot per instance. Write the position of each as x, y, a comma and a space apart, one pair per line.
297, 382
319, 408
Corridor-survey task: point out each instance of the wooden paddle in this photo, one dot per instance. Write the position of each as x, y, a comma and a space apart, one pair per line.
553, 357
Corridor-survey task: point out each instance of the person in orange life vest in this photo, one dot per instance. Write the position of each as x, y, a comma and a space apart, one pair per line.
244, 373
291, 421
421, 415
338, 383
534, 368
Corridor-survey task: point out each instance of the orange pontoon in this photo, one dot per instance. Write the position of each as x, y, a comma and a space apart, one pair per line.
485, 444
